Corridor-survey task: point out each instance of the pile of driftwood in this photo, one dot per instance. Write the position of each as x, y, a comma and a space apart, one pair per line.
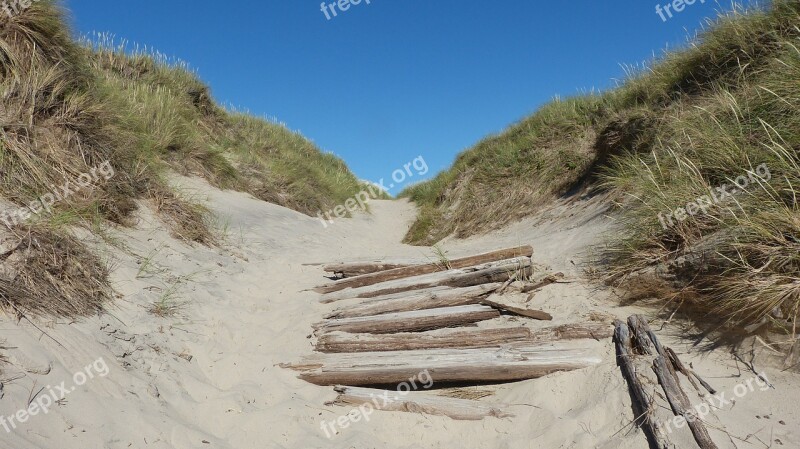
639, 352
403, 318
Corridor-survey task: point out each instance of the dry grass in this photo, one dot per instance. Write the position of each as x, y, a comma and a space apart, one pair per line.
508, 176
689, 122
68, 107
471, 393
186, 220
169, 305
46, 272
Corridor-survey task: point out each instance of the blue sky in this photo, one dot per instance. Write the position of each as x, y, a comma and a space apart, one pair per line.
385, 82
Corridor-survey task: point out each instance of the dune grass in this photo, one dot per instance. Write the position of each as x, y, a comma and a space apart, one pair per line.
70, 106
691, 121
506, 177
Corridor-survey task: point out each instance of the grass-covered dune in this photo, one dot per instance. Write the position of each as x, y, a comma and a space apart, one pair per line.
722, 110
74, 108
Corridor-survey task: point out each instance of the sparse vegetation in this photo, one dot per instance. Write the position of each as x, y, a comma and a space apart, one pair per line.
169, 304
441, 257
148, 266
68, 106
691, 121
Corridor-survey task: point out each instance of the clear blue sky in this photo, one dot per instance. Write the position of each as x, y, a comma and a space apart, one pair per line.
383, 83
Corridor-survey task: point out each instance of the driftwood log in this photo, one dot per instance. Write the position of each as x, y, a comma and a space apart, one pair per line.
642, 401
464, 277
418, 270
338, 342
415, 402
414, 321
351, 269
668, 379
637, 337
679, 402
408, 301
517, 361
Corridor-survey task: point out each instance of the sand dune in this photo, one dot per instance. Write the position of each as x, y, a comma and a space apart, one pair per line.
209, 376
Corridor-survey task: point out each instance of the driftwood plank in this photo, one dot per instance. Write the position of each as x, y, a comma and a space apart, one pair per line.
418, 270
530, 313
408, 301
511, 362
414, 321
642, 401
338, 342
463, 277
543, 282
415, 402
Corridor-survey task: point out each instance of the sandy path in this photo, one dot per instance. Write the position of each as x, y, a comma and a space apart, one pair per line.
209, 376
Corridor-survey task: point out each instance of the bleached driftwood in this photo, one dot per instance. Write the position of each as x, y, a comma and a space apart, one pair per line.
385, 275
338, 342
463, 277
517, 361
414, 321
408, 301
351, 269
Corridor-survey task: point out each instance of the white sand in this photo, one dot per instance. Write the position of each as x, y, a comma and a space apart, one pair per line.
244, 314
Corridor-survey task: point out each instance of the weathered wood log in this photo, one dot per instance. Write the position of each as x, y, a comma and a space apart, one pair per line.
511, 362
399, 295
642, 401
530, 313
414, 321
463, 277
338, 342
644, 333
415, 402
679, 402
428, 268
408, 301
641, 335
665, 368
353, 269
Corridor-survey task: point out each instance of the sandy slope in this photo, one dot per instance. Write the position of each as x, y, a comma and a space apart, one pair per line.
209, 377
